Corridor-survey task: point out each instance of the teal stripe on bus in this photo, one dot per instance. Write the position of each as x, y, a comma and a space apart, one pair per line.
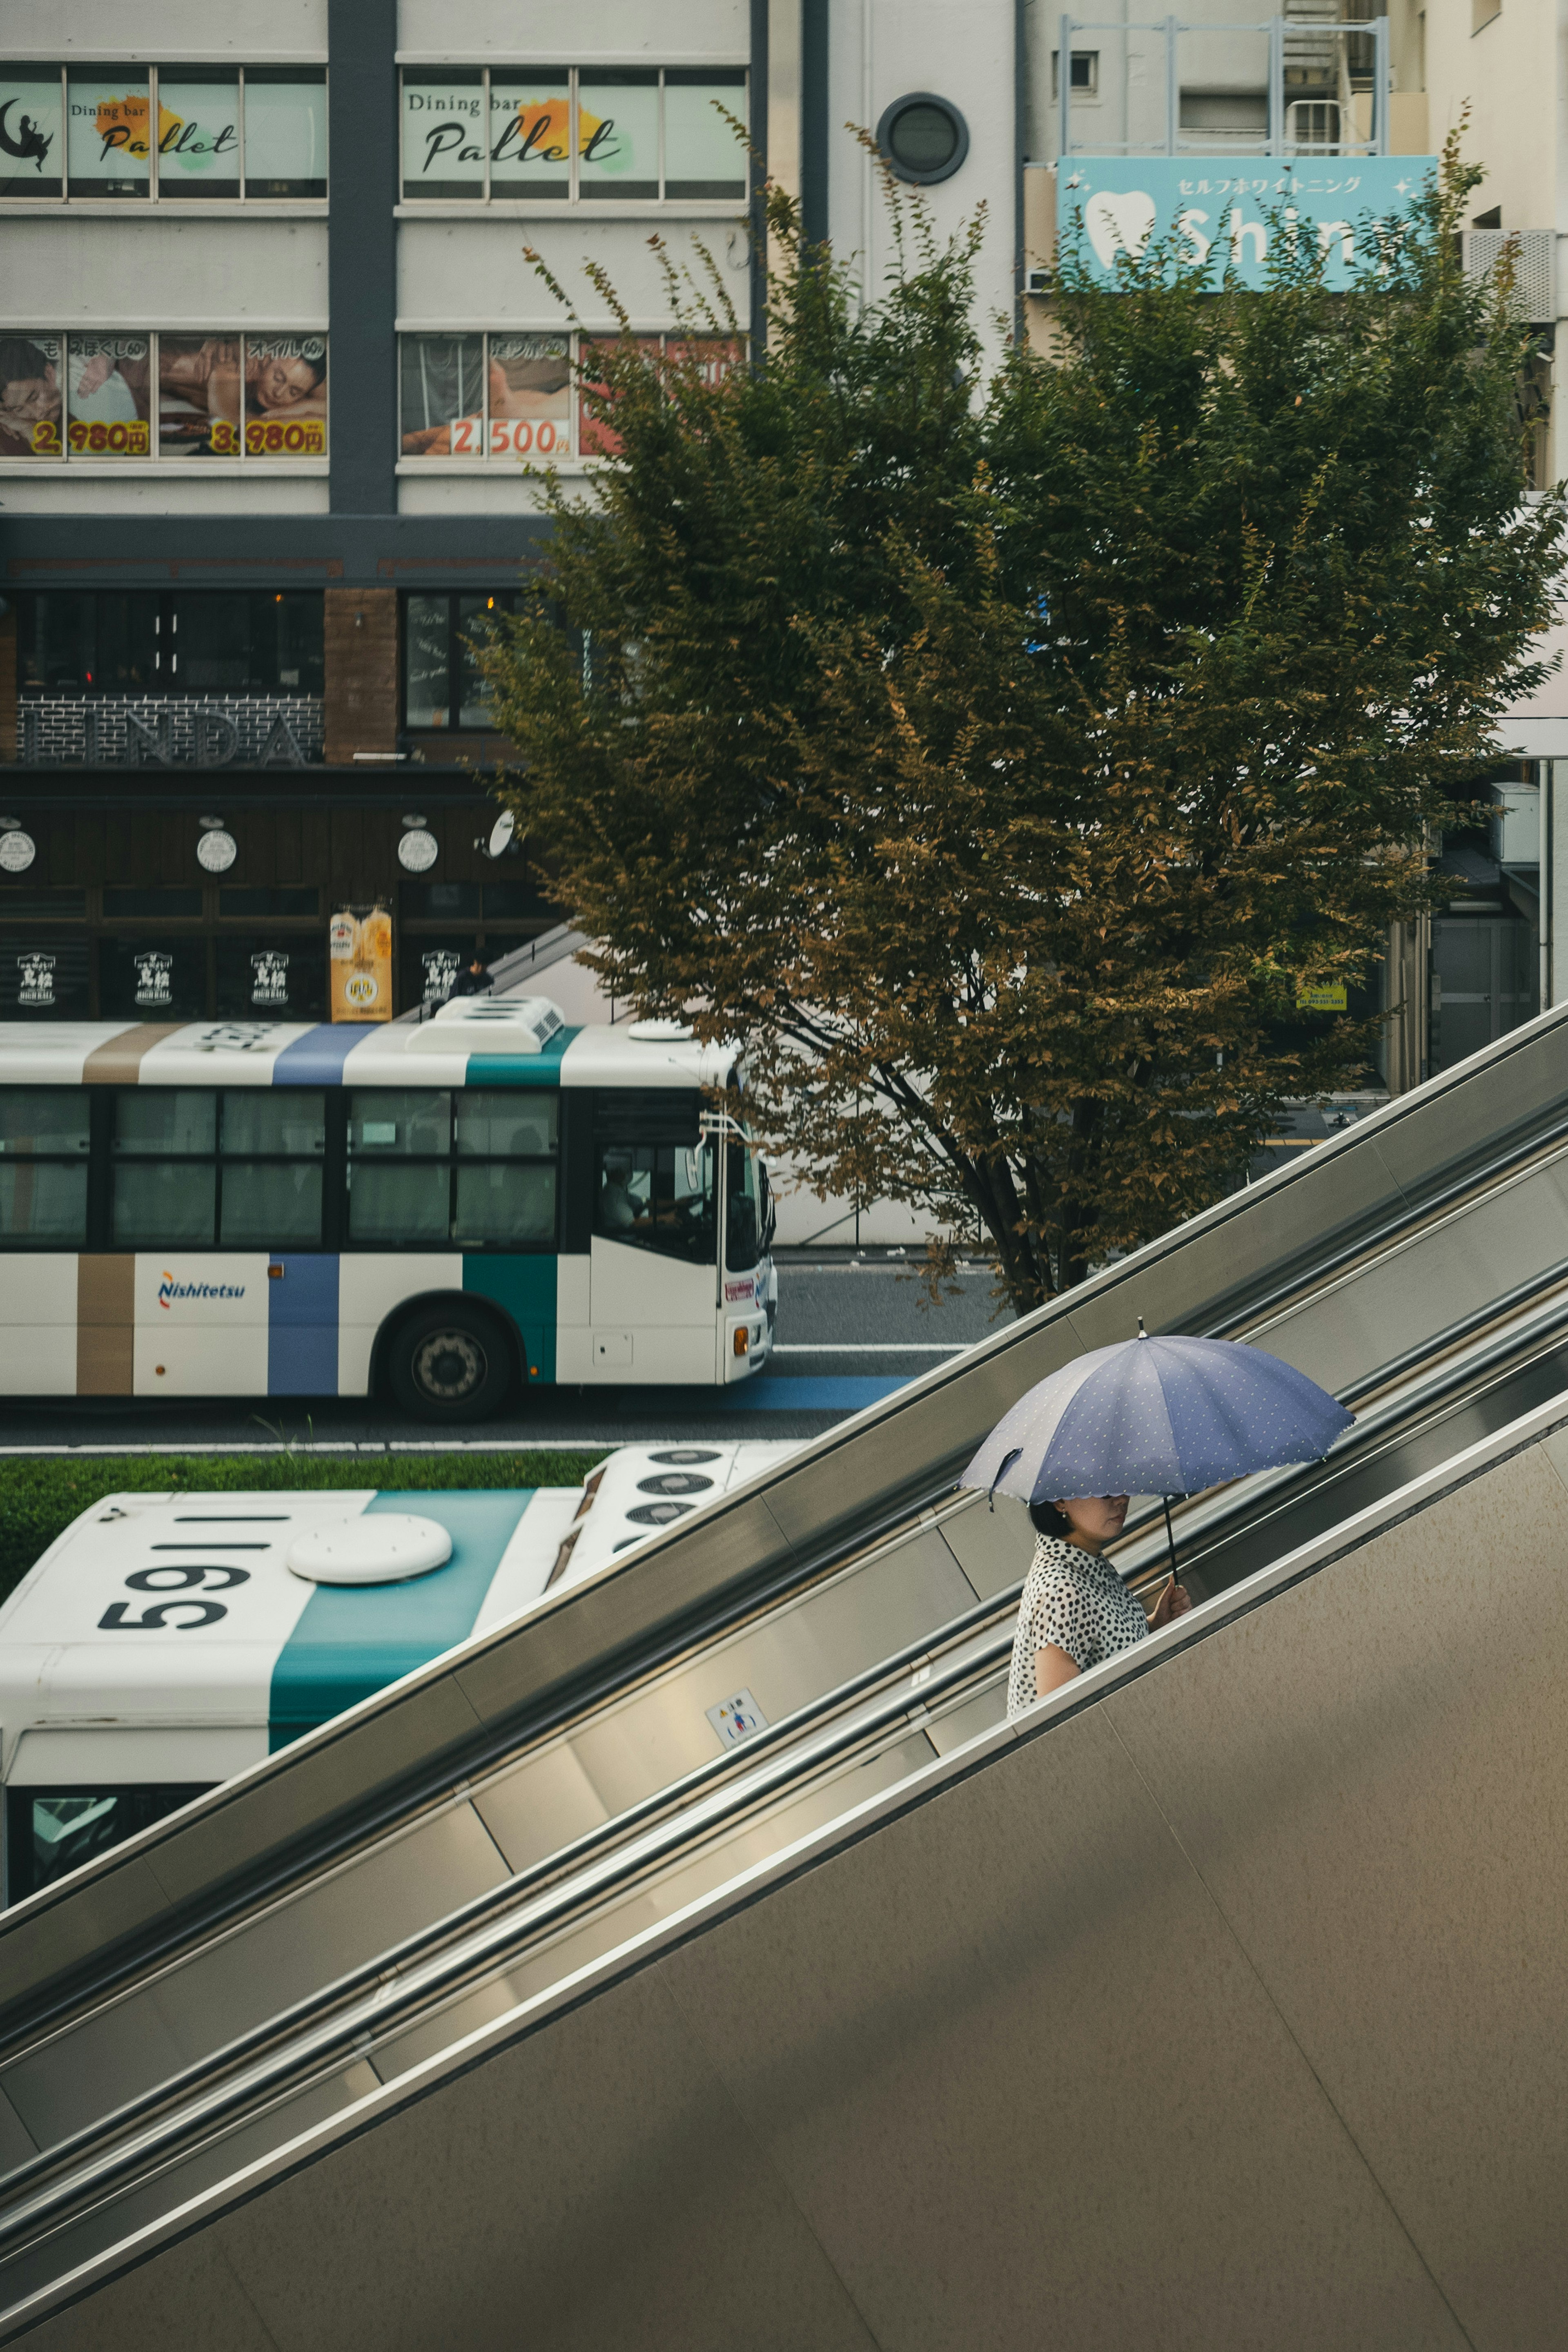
541, 1069
525, 1287
351, 1641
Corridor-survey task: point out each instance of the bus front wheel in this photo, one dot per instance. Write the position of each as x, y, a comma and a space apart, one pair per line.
450, 1363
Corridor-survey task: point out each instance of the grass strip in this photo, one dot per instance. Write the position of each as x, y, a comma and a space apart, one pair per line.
40, 1497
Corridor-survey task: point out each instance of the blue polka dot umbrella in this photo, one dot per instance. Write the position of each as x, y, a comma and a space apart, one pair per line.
1165, 1416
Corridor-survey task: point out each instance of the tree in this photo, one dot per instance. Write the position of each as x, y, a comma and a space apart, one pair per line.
1004, 758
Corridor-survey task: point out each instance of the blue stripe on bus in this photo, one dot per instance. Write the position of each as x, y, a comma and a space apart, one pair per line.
302, 1325
351, 1641
317, 1059
541, 1069
526, 1287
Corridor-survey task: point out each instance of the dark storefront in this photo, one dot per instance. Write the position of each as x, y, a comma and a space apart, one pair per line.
178, 824
114, 918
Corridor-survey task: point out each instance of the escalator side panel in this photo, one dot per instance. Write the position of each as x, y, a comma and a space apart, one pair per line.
1389, 1307
656, 1734
609, 1616
89, 2234
1324, 1203
540, 1806
992, 1543
238, 1829
1508, 1093
966, 2101
267, 1963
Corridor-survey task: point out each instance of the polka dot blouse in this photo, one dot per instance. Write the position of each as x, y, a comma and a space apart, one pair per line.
1077, 1601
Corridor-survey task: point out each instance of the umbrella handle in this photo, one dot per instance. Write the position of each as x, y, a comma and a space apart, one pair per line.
1170, 1535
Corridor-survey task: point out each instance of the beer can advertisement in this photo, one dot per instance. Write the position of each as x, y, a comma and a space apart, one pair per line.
360, 957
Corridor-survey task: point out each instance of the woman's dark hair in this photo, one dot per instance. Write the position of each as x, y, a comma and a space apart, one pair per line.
1048, 1521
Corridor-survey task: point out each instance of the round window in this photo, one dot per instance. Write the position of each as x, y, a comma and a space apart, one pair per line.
924, 138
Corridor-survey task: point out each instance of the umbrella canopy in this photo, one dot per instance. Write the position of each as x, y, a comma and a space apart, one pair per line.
1165, 1416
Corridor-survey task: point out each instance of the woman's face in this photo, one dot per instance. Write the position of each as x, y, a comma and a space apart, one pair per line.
1101, 1517
31, 397
283, 383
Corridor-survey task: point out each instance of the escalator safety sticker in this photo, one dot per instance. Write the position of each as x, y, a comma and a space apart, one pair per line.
737, 1718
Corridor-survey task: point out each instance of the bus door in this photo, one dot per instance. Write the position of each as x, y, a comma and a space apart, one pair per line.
653, 1269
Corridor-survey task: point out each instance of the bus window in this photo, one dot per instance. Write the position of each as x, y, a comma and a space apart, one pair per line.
505, 1144
476, 1168
166, 1166
242, 1169
742, 1212
43, 1167
51, 1831
269, 1172
399, 1179
656, 1196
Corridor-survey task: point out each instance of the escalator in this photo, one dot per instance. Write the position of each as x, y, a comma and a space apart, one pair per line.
1419, 1264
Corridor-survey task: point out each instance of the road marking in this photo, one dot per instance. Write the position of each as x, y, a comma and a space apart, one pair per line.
871, 1347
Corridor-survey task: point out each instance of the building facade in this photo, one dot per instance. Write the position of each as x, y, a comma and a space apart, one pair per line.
277, 367
275, 364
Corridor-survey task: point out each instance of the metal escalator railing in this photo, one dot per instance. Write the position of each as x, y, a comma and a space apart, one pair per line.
1420, 1165
364, 2016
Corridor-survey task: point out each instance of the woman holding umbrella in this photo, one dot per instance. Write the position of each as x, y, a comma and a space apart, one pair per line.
1075, 1610
1163, 1416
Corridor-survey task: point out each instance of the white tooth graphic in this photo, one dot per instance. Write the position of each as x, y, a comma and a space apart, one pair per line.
1118, 224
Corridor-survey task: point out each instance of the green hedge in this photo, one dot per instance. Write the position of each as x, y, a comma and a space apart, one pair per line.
40, 1497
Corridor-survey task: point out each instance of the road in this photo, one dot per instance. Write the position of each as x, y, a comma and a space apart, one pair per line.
849, 1330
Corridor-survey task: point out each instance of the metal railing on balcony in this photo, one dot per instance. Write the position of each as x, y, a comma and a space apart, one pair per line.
1326, 88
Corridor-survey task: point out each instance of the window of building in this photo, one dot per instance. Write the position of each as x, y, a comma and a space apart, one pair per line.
225, 132
442, 926
90, 396
502, 395
111, 641
924, 137
520, 396
609, 135
436, 1167
1083, 73
443, 685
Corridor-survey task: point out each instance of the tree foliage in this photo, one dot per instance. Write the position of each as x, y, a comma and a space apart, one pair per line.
1000, 746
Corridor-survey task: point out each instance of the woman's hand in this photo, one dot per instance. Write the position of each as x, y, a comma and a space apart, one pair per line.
1174, 1601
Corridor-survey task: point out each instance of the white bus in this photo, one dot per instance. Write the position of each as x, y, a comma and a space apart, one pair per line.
444, 1211
165, 1642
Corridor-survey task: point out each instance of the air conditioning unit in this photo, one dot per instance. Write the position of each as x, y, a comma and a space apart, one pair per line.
1312, 122
1534, 268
